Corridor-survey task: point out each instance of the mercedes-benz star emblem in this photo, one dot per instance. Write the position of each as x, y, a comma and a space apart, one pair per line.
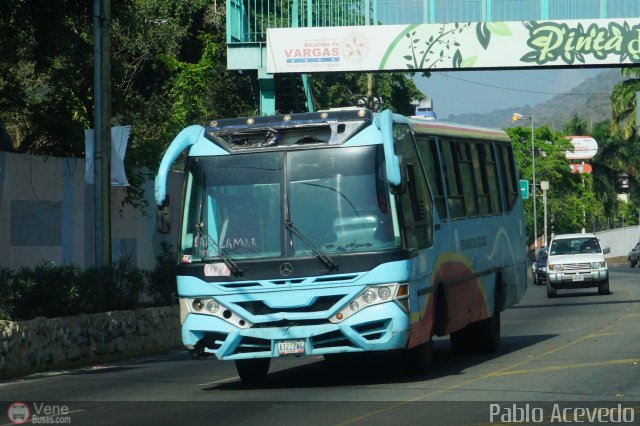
286, 269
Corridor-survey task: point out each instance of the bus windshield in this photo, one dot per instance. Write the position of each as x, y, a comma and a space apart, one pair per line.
337, 198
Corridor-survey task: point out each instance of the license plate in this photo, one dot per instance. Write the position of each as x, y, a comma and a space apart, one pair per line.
287, 347
578, 278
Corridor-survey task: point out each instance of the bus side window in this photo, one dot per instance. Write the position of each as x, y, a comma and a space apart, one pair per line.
509, 186
478, 158
415, 201
455, 195
488, 159
428, 151
468, 183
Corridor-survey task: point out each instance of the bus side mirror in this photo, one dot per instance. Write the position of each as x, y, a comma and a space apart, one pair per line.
163, 217
404, 178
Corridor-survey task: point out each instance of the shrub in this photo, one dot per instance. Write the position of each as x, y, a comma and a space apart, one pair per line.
45, 290
161, 283
52, 291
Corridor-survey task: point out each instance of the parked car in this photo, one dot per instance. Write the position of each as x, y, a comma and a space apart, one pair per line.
576, 261
634, 256
539, 267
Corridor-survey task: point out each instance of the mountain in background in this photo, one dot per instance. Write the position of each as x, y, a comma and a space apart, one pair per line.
590, 100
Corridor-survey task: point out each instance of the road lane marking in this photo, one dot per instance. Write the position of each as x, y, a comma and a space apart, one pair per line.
612, 333
565, 367
219, 381
505, 369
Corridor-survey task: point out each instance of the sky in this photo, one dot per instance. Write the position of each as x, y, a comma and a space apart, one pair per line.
457, 92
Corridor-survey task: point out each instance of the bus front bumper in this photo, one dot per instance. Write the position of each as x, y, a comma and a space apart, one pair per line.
376, 328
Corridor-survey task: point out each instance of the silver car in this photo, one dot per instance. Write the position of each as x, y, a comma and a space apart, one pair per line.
576, 261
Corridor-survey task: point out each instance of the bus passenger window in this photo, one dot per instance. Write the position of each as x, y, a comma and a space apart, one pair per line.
417, 209
454, 185
428, 150
468, 184
482, 184
509, 186
488, 160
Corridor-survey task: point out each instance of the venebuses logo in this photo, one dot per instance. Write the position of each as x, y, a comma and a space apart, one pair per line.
18, 413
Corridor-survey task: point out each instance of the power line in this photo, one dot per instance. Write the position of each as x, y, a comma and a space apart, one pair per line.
523, 90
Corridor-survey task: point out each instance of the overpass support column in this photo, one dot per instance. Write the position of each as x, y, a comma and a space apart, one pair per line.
267, 92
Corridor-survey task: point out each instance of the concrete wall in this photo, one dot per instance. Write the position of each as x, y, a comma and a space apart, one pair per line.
620, 240
47, 214
43, 344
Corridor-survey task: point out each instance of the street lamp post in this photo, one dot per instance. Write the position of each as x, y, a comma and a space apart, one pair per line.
544, 185
515, 117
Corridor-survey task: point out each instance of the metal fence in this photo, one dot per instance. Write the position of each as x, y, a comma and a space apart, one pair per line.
247, 20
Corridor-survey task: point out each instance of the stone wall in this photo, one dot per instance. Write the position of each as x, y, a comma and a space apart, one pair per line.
43, 344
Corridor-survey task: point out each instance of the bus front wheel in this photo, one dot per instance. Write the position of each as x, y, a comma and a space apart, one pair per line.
420, 358
253, 371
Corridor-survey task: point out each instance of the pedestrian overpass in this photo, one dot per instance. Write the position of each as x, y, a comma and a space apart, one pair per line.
313, 35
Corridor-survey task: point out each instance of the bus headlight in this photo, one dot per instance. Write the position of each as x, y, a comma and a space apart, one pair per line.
368, 296
374, 295
211, 307
197, 305
384, 293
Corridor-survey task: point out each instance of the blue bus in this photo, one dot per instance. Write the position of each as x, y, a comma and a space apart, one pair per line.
343, 231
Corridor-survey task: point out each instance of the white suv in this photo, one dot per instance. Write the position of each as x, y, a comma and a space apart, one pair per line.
576, 261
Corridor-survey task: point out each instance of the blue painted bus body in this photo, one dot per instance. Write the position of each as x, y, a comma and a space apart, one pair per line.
471, 257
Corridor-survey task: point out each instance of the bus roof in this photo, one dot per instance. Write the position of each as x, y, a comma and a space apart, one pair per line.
443, 128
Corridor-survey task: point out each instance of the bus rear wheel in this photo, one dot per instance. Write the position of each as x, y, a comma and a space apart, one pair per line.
487, 333
253, 371
462, 340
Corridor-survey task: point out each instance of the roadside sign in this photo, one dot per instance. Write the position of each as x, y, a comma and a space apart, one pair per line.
584, 147
581, 168
524, 188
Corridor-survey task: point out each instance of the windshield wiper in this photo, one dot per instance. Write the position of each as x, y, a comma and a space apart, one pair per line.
324, 258
203, 234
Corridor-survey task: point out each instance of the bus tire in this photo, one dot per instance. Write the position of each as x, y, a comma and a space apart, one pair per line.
254, 371
421, 358
487, 333
462, 340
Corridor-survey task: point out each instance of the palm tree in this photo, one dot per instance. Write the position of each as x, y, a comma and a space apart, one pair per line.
623, 104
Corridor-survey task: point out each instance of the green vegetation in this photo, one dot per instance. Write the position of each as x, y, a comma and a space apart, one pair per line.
53, 291
169, 71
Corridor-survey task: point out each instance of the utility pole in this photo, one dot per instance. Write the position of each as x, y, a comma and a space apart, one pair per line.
102, 129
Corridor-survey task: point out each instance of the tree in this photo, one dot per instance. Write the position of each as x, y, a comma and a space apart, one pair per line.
623, 104
397, 90
168, 71
570, 201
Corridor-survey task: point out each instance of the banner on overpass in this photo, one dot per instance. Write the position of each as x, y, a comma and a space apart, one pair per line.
453, 46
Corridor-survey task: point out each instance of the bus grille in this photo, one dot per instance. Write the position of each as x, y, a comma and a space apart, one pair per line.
322, 303
331, 340
253, 344
372, 330
213, 340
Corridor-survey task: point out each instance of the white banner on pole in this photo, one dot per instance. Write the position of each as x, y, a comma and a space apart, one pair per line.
119, 141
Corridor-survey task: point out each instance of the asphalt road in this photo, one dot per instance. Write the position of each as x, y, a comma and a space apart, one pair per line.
577, 355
